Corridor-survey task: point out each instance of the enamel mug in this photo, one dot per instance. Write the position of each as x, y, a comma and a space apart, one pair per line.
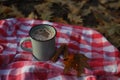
43, 42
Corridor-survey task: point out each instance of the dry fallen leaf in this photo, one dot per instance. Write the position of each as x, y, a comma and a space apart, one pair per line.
10, 12
16, 13
77, 62
103, 1
32, 15
115, 5
5, 9
76, 19
60, 20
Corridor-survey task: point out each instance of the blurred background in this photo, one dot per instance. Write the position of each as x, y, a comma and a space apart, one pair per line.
101, 15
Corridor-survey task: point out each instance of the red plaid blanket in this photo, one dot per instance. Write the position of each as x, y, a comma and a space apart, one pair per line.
16, 64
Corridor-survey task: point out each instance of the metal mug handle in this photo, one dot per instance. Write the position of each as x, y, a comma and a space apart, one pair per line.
24, 40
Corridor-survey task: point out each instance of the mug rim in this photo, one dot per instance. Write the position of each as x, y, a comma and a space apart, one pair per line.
42, 25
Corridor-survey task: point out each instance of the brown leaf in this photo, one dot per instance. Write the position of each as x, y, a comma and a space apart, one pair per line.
16, 13
32, 15
103, 1
74, 18
46, 15
69, 63
77, 62
115, 5
60, 20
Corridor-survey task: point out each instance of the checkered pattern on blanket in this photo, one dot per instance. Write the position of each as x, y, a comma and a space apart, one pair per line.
16, 64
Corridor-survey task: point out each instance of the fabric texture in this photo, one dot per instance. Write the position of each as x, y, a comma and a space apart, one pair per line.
17, 64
